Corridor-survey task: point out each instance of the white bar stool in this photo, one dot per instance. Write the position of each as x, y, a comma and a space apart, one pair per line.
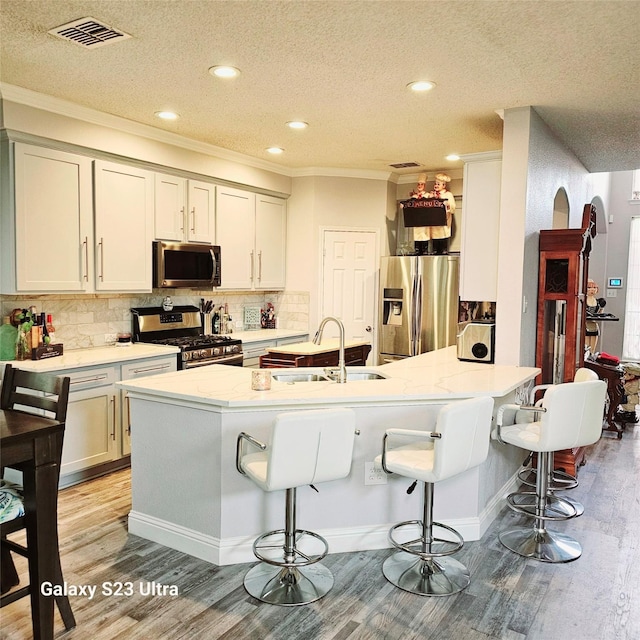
460, 442
558, 480
305, 447
570, 415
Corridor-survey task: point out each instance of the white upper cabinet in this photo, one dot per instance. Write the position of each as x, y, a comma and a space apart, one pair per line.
123, 227
271, 232
480, 227
251, 232
53, 221
184, 210
235, 233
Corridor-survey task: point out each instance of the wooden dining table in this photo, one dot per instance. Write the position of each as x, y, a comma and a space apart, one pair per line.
33, 444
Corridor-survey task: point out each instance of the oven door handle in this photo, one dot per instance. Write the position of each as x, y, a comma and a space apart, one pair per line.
236, 358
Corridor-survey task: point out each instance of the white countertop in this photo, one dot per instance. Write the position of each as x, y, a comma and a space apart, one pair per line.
78, 358
308, 348
430, 376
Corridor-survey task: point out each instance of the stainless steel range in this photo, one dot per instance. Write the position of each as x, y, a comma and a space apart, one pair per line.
182, 327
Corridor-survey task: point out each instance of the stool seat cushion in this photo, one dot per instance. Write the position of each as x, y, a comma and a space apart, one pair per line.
305, 447
460, 442
572, 417
413, 460
11, 501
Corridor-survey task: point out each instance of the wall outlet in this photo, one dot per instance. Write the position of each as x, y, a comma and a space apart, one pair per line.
612, 293
374, 474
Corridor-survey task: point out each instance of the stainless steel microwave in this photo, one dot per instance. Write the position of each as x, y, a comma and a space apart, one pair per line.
183, 264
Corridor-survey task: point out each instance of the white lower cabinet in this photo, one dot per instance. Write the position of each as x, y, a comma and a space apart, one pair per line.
91, 435
140, 369
98, 430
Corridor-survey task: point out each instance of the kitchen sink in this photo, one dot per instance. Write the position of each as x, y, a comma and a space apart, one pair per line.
291, 376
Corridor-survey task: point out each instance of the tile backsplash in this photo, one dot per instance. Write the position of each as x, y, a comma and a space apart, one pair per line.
93, 320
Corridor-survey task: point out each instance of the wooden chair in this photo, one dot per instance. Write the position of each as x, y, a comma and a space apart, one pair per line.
23, 391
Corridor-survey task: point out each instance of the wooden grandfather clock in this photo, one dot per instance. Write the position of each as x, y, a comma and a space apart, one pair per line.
562, 286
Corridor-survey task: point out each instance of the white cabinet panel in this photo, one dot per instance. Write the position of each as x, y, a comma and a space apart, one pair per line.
90, 436
124, 227
53, 212
201, 213
235, 233
271, 230
170, 207
184, 209
480, 227
251, 231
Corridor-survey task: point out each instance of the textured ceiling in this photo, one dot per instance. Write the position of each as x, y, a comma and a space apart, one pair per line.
343, 67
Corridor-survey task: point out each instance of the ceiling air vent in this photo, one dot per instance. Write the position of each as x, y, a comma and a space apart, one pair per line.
89, 33
404, 165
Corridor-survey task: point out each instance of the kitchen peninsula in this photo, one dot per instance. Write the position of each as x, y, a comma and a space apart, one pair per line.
187, 494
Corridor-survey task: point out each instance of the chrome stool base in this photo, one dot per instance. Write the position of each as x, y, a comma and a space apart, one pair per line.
555, 508
543, 545
426, 577
288, 586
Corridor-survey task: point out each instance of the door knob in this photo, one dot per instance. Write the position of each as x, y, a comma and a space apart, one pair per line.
368, 328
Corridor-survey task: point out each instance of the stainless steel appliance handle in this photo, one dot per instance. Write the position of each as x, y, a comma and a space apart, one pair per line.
412, 316
233, 359
215, 265
418, 317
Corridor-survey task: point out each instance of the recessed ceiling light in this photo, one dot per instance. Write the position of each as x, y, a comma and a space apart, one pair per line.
167, 115
453, 157
275, 150
421, 85
297, 124
221, 71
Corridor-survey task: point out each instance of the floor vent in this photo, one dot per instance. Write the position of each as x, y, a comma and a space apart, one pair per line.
404, 165
89, 33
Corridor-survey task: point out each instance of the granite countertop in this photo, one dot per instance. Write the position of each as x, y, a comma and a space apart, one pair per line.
308, 348
78, 358
431, 376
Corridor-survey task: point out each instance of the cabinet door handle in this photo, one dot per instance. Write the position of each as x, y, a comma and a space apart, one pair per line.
158, 367
193, 218
85, 244
91, 379
128, 401
251, 277
101, 245
113, 405
259, 266
182, 220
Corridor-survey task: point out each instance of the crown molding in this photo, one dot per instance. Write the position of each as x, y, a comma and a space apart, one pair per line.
29, 98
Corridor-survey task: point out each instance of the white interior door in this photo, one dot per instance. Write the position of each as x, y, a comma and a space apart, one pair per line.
349, 283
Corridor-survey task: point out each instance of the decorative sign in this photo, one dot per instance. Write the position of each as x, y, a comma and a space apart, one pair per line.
424, 212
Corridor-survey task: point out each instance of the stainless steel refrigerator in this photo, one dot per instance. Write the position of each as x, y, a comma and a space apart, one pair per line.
418, 305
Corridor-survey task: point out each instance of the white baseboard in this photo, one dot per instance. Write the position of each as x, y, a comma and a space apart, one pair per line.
240, 549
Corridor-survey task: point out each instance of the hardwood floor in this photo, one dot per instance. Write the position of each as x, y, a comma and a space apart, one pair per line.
596, 597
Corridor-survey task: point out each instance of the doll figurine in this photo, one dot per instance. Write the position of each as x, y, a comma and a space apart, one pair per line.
594, 305
438, 235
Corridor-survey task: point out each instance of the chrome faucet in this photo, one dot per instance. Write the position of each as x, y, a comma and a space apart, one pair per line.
342, 369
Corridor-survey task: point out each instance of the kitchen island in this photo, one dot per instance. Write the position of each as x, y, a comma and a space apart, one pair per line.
188, 495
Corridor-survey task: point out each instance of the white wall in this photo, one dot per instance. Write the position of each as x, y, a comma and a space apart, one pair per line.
319, 202
535, 165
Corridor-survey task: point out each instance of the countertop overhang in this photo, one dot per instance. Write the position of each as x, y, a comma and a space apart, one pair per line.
425, 378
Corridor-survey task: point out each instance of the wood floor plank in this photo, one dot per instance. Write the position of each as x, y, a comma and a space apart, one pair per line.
510, 598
